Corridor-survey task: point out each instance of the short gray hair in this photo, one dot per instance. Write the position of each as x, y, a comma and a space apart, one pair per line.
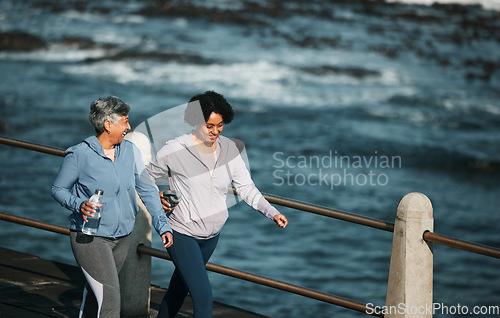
108, 108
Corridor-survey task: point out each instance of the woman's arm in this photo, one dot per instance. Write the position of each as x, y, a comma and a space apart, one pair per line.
247, 190
64, 182
148, 193
158, 167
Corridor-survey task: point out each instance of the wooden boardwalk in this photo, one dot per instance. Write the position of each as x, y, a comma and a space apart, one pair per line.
34, 287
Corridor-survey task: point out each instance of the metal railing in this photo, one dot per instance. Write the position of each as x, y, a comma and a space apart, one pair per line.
332, 213
31, 146
306, 207
306, 292
387, 226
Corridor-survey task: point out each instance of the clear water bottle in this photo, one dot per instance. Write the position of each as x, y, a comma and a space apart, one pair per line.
92, 225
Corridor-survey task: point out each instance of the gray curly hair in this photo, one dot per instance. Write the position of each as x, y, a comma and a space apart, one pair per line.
108, 108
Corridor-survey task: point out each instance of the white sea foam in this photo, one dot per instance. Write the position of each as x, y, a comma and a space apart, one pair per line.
274, 84
121, 72
103, 18
84, 16
132, 18
55, 53
486, 4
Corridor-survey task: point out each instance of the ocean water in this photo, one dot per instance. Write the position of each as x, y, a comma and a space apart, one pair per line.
344, 104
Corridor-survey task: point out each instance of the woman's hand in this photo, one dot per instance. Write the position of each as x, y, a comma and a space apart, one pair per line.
164, 203
167, 239
280, 220
87, 209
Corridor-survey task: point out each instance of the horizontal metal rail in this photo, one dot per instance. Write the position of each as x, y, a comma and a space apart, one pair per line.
463, 245
306, 292
30, 146
345, 216
34, 223
339, 301
335, 214
339, 215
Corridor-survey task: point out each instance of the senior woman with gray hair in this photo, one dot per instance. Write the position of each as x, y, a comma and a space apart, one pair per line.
110, 163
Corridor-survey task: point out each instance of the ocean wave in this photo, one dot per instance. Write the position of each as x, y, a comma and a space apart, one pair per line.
55, 53
486, 4
92, 17
275, 84
459, 162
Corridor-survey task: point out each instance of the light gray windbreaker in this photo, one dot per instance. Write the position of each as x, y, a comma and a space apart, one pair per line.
203, 211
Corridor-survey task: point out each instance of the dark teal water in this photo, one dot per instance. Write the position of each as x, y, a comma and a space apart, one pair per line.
341, 104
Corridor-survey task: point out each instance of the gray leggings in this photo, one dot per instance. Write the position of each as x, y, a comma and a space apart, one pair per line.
101, 260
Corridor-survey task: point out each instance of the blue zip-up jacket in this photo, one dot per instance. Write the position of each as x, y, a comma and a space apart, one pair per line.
86, 168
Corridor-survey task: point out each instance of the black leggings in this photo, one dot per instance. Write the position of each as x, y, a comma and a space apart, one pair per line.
190, 256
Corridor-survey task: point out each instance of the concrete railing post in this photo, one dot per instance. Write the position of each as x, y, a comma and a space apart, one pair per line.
135, 275
409, 290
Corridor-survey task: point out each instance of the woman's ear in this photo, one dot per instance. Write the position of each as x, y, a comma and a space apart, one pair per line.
107, 126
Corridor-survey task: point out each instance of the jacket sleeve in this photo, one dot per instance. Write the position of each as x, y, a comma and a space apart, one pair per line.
248, 191
64, 182
159, 167
148, 193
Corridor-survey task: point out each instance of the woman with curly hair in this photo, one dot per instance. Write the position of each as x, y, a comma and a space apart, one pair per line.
202, 165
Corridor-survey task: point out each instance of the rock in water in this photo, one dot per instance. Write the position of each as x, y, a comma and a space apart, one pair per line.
20, 41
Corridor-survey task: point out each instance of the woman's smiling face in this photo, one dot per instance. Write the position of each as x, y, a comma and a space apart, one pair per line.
209, 132
118, 130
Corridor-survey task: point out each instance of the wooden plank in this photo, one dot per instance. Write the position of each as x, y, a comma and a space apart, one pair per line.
34, 287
